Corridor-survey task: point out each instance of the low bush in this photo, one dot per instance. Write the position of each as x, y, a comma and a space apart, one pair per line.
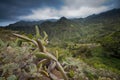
111, 44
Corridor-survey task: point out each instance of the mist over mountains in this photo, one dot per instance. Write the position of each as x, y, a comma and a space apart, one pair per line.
108, 14
79, 29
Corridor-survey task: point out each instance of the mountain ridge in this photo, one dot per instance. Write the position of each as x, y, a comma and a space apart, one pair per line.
80, 29
100, 15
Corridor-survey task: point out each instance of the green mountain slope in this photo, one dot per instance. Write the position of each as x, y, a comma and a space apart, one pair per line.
79, 30
87, 48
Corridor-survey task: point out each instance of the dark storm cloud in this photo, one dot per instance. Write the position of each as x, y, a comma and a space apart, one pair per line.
117, 3
11, 9
113, 3
14, 10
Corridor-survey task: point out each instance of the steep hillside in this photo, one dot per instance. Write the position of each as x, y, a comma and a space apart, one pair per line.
64, 29
87, 49
79, 30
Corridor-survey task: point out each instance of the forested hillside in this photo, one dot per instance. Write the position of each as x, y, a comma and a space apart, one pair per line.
79, 30
64, 49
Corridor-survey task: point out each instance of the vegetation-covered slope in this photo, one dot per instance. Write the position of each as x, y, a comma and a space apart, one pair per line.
21, 60
78, 30
88, 47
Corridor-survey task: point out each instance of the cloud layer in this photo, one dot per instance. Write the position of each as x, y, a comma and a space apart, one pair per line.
49, 13
12, 9
46, 9
70, 9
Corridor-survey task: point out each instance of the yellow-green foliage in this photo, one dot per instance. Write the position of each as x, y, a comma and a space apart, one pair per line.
6, 35
111, 44
39, 55
61, 53
71, 73
27, 58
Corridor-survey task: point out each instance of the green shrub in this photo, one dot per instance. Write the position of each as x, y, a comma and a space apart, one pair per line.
81, 50
111, 44
71, 73
20, 61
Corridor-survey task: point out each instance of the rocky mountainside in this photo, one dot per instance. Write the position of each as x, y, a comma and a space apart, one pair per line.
80, 30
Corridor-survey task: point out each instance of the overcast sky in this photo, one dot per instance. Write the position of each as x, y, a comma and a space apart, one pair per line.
15, 10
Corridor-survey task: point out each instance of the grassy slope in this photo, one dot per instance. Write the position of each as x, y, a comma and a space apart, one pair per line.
66, 36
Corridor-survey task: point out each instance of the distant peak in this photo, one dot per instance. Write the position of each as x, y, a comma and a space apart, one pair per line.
63, 18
